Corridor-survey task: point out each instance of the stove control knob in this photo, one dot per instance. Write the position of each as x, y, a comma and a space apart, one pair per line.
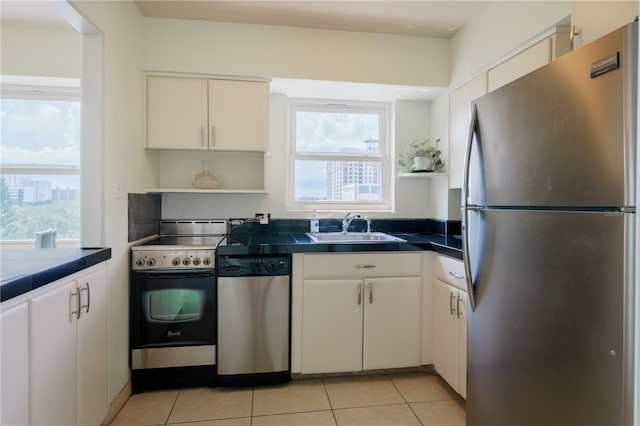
206, 261
175, 261
151, 262
196, 261
186, 261
140, 262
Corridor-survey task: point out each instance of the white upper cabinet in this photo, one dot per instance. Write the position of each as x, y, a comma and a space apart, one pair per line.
460, 118
238, 115
524, 62
505, 72
177, 113
203, 114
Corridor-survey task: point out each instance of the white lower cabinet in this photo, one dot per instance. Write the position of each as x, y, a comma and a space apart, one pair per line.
332, 326
68, 349
363, 319
14, 365
450, 324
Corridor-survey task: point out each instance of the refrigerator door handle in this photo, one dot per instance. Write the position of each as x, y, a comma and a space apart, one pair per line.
466, 208
467, 155
465, 258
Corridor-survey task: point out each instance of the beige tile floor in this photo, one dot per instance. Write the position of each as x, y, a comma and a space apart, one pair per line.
386, 399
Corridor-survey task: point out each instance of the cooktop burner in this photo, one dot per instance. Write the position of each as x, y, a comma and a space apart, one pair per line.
185, 240
181, 244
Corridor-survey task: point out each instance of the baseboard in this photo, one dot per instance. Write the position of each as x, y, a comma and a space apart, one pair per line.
117, 404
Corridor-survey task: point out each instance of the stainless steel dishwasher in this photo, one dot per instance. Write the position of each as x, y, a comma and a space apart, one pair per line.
254, 318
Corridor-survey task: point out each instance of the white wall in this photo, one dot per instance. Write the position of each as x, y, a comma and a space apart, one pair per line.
500, 28
412, 195
120, 24
439, 188
51, 50
272, 51
275, 51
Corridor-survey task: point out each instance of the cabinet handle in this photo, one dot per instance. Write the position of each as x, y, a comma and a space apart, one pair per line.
202, 136
458, 314
458, 276
370, 292
73, 294
452, 297
365, 266
88, 290
212, 136
360, 288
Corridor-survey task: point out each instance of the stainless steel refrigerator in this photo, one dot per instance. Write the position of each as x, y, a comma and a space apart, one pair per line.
549, 214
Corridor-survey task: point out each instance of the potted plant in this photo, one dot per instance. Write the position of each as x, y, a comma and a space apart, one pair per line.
421, 157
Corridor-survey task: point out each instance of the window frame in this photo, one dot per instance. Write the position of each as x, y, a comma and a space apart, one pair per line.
383, 156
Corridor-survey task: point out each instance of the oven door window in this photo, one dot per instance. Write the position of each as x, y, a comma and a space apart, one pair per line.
173, 305
172, 309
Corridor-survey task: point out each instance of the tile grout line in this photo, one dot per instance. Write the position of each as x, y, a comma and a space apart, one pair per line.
175, 401
253, 401
326, 392
405, 399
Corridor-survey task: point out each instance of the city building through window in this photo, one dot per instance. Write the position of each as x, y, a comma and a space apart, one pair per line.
40, 159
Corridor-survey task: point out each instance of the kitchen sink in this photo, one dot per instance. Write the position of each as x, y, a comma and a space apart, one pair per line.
354, 238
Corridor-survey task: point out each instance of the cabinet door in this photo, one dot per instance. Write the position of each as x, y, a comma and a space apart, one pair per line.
14, 364
238, 115
445, 332
460, 118
391, 322
92, 348
52, 343
332, 326
523, 63
462, 308
176, 113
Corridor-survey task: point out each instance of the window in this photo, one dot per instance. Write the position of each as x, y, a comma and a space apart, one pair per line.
40, 159
339, 156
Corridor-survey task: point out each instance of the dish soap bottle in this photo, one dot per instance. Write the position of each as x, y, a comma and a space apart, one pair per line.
314, 223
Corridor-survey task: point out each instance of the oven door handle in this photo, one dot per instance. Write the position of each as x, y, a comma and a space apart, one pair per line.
174, 275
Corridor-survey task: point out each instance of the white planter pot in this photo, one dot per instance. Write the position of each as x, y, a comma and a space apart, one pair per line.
422, 164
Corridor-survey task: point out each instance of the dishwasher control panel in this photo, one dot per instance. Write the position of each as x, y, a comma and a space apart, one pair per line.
239, 266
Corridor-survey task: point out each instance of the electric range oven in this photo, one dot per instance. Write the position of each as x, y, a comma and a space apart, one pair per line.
172, 306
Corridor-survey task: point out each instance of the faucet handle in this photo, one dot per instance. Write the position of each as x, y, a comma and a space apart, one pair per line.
366, 218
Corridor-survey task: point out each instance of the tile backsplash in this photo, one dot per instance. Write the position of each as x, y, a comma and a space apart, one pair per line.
145, 212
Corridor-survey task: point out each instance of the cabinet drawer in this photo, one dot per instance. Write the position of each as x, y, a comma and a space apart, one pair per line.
357, 265
450, 271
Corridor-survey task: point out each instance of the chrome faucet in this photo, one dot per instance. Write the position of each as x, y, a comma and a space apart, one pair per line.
368, 224
346, 221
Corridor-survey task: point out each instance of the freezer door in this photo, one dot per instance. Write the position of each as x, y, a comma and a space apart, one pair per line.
557, 136
546, 341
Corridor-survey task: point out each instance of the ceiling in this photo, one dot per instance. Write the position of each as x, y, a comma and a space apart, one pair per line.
424, 18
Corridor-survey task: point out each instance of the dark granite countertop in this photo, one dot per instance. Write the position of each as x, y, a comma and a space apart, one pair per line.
24, 270
290, 237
